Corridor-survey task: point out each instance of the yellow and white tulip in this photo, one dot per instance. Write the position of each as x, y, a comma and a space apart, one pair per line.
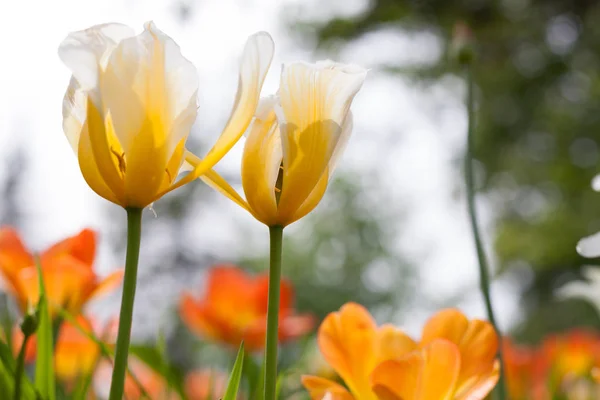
131, 103
294, 142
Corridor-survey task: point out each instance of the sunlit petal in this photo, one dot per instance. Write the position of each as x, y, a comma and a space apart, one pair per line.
256, 60
347, 341
318, 387
315, 101
427, 374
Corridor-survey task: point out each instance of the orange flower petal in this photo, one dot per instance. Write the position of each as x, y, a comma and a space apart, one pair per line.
427, 374
192, 315
205, 385
480, 386
319, 387
108, 284
68, 282
295, 326
392, 343
226, 283
448, 324
286, 294
347, 341
13, 256
76, 354
81, 246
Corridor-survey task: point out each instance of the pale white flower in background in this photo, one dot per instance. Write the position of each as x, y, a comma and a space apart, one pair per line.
589, 289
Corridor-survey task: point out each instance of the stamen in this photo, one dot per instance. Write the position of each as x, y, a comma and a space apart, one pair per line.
120, 160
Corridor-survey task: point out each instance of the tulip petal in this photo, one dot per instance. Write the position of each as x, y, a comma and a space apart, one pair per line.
427, 374
216, 181
84, 52
317, 193
73, 111
478, 349
90, 170
13, 254
107, 285
392, 343
448, 324
81, 246
261, 162
105, 149
318, 388
481, 386
315, 101
256, 60
192, 316
347, 341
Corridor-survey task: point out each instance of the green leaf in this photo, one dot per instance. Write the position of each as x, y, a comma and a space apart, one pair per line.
236, 375
44, 364
7, 375
152, 357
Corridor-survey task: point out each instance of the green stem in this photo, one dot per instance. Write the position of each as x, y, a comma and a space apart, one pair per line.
134, 233
276, 235
20, 368
484, 272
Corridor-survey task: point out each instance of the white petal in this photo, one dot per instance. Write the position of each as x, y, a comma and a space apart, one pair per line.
588, 290
596, 183
73, 111
148, 77
589, 246
84, 52
256, 60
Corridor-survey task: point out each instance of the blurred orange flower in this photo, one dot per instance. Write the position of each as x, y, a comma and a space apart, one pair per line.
205, 384
75, 354
234, 308
66, 267
524, 371
152, 382
455, 358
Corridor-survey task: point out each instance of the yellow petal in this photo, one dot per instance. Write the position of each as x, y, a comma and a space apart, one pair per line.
315, 101
256, 60
216, 181
427, 374
317, 193
347, 341
261, 163
102, 143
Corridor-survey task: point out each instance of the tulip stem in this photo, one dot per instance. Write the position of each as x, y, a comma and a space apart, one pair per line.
484, 273
20, 367
134, 233
276, 238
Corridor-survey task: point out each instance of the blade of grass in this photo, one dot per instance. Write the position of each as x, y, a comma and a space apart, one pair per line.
44, 364
236, 376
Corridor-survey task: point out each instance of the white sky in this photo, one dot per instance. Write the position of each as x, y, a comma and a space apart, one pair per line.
427, 126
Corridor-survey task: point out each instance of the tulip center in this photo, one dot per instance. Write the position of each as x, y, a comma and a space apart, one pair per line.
279, 183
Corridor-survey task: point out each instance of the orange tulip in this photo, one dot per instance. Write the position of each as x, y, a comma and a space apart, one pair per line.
234, 308
523, 367
205, 385
75, 355
67, 270
152, 383
455, 358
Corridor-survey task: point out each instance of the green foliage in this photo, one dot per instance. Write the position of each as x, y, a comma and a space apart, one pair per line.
44, 366
236, 376
538, 130
155, 359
